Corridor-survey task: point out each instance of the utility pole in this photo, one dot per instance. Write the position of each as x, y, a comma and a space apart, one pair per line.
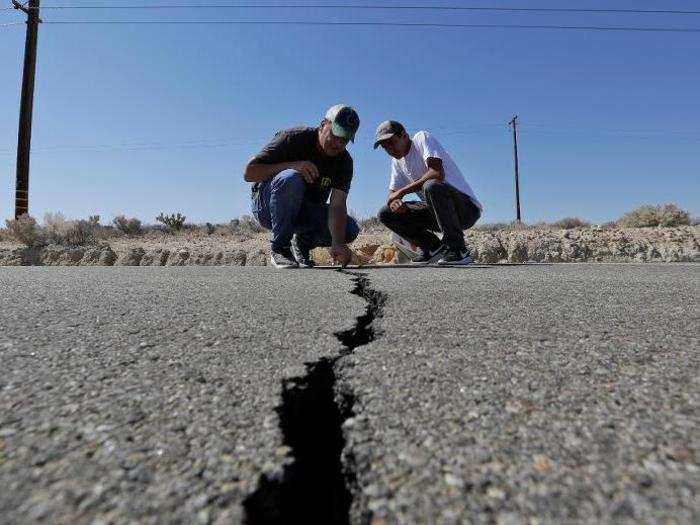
24, 137
514, 124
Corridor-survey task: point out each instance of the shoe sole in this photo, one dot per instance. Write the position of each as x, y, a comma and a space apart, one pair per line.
282, 266
463, 262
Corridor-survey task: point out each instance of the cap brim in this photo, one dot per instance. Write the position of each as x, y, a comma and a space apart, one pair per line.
382, 138
341, 132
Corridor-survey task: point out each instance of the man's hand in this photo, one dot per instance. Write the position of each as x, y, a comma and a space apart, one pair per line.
307, 169
393, 196
340, 253
398, 206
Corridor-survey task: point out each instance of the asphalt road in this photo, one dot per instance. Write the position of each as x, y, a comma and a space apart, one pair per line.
166, 395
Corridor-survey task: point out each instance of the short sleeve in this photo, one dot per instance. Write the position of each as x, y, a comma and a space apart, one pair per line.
276, 151
344, 178
430, 147
394, 180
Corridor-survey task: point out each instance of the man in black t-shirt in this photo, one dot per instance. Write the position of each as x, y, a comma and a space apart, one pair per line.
294, 176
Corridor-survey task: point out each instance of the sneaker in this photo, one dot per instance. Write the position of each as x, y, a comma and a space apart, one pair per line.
301, 253
456, 256
430, 256
282, 259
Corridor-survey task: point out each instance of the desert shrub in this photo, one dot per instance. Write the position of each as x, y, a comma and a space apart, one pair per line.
695, 221
55, 227
58, 230
371, 224
610, 225
246, 226
78, 233
210, 228
94, 220
490, 227
25, 230
666, 215
127, 226
173, 221
569, 223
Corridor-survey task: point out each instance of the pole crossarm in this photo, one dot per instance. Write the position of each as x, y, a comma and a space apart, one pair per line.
26, 10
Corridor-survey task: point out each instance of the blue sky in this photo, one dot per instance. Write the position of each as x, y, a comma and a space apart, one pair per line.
139, 119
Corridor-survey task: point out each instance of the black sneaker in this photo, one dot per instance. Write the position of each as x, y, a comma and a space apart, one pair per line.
454, 256
430, 256
301, 253
282, 259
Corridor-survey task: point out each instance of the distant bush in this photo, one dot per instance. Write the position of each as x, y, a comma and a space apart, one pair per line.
371, 224
569, 223
246, 226
173, 221
94, 220
79, 233
666, 215
127, 226
55, 226
58, 230
490, 227
210, 228
25, 230
610, 225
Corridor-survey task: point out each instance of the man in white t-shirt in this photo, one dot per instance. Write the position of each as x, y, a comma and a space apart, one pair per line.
447, 203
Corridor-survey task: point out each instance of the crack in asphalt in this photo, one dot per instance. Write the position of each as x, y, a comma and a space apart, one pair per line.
314, 487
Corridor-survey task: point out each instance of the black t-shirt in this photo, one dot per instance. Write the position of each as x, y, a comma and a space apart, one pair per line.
298, 144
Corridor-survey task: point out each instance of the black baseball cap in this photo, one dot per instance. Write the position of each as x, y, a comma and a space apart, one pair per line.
386, 130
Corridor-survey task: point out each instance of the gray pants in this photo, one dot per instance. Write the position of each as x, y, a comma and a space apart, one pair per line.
445, 209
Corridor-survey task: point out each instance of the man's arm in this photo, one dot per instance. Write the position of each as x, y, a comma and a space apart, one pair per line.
337, 223
257, 172
435, 171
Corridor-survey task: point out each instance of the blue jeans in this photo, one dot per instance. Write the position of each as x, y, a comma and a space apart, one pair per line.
279, 205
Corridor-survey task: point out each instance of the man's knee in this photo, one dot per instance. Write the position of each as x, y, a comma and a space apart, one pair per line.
352, 230
386, 216
288, 182
433, 186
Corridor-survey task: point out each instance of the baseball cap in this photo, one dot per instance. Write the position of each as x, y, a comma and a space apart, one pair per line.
386, 130
344, 121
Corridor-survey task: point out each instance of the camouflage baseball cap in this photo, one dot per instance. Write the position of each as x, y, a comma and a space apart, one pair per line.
344, 121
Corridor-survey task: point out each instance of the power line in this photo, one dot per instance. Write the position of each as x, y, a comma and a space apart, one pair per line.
376, 24
382, 7
231, 142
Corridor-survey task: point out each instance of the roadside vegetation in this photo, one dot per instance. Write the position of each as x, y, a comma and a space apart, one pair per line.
56, 229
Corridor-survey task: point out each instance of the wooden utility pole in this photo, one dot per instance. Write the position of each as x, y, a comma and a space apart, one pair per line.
24, 138
514, 124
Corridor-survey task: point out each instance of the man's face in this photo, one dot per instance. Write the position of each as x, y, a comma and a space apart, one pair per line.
397, 146
330, 144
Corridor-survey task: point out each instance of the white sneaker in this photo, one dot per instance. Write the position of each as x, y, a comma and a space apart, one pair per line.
283, 259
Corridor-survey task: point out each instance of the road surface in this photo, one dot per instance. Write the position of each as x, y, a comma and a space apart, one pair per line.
224, 395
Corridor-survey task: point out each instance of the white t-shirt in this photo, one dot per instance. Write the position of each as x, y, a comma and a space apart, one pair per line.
413, 166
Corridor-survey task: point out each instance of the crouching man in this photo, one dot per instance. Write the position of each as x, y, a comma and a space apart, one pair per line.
293, 177
447, 203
